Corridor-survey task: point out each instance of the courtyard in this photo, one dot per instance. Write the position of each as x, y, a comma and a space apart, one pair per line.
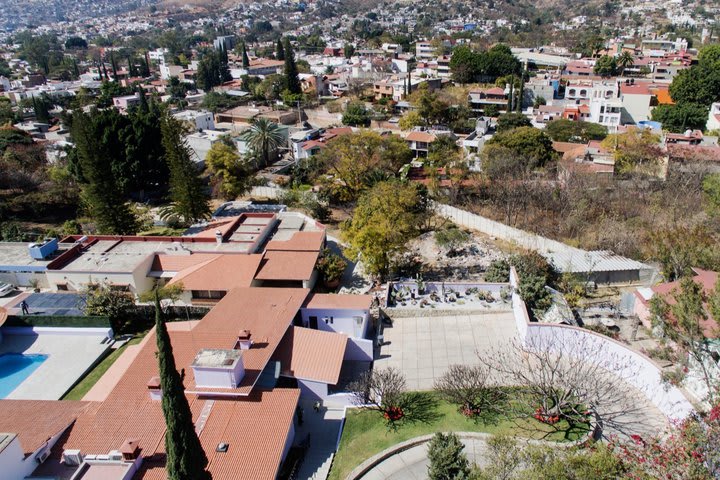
424, 347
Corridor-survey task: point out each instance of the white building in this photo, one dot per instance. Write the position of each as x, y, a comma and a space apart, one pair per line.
199, 120
424, 50
606, 112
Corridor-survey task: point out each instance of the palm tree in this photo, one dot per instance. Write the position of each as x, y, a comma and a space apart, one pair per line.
263, 137
625, 60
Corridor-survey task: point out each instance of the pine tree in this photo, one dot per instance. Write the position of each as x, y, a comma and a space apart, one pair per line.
76, 70
187, 191
186, 459
291, 71
101, 192
280, 50
245, 58
447, 460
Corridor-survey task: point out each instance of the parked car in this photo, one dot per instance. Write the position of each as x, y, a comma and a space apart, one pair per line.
6, 289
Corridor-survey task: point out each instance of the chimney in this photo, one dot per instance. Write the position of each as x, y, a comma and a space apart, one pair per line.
153, 386
130, 450
244, 342
218, 236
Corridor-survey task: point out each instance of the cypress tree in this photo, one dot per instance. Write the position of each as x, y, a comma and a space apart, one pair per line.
186, 460
76, 70
187, 191
280, 50
291, 71
509, 107
521, 93
102, 191
245, 58
113, 64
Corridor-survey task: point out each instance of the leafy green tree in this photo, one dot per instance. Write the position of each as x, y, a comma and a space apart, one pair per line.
430, 108
464, 65
356, 160
635, 150
186, 459
228, 171
527, 142
280, 50
220, 101
563, 130
699, 84
680, 117
410, 120
356, 115
102, 300
508, 121
187, 191
386, 217
102, 194
291, 71
264, 137
447, 459
348, 50
605, 66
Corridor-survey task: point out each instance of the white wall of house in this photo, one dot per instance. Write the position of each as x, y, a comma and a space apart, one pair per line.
313, 390
636, 107
351, 322
359, 349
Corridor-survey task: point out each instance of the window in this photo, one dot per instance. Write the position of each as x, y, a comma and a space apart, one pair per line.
208, 294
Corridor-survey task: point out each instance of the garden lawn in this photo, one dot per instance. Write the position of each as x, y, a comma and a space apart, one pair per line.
91, 378
366, 434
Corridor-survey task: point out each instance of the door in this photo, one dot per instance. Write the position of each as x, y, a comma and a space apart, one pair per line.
313, 322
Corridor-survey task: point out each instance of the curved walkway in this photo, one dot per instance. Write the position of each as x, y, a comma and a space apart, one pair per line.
412, 463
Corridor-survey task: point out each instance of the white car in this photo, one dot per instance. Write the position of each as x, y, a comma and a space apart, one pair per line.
6, 289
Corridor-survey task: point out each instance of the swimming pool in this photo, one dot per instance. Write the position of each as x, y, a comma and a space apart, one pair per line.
15, 368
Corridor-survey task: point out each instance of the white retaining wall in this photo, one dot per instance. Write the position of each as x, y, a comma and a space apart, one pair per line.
635, 368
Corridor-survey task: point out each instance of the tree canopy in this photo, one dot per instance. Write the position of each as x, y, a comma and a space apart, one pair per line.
508, 121
386, 217
681, 116
356, 115
529, 143
468, 65
229, 173
563, 130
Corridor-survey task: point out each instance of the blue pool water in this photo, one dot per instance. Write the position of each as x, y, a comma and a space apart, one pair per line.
15, 368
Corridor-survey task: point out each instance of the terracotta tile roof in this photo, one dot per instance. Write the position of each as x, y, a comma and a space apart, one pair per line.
698, 153
266, 312
564, 147
35, 421
310, 144
331, 300
282, 265
420, 137
300, 242
310, 354
177, 263
224, 272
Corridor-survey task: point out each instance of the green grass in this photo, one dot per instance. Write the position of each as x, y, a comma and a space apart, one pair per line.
162, 232
365, 433
89, 380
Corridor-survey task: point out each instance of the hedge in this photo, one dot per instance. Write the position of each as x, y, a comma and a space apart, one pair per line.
57, 321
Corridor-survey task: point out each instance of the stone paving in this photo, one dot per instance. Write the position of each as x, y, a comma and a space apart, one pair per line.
424, 347
324, 429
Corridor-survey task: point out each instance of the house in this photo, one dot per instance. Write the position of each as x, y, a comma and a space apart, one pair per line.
419, 141
576, 113
198, 120
690, 137
605, 111
480, 99
683, 157
125, 102
307, 143
424, 50
638, 100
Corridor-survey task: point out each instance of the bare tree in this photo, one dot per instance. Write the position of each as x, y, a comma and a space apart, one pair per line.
471, 389
385, 391
564, 381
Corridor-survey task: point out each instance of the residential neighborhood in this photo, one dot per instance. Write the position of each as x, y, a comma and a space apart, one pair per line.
333, 240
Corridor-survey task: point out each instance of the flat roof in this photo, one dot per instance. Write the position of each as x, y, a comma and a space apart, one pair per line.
17, 254
217, 358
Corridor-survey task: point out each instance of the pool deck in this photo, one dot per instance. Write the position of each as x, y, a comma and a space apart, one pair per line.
69, 356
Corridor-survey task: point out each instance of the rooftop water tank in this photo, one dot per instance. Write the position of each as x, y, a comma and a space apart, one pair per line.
40, 251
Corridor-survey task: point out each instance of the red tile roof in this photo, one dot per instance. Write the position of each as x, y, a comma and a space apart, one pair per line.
705, 278
282, 265
310, 354
35, 421
177, 263
331, 300
300, 242
224, 272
